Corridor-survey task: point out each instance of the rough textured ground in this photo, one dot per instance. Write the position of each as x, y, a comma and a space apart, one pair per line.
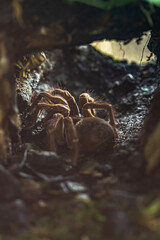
108, 196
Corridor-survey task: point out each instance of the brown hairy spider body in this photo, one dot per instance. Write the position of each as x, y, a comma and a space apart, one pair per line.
84, 134
94, 134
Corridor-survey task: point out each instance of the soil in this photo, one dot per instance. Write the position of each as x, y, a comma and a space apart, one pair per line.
108, 195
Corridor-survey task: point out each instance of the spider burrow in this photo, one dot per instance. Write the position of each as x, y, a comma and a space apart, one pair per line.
83, 133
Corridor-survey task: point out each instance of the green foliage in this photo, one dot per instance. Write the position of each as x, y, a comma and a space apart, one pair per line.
104, 4
155, 2
153, 209
109, 4
149, 216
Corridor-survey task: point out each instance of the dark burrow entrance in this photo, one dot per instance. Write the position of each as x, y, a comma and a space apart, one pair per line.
108, 195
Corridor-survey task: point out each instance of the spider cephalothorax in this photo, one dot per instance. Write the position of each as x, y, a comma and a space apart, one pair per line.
65, 125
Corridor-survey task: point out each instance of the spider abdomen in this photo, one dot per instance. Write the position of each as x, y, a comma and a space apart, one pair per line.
94, 135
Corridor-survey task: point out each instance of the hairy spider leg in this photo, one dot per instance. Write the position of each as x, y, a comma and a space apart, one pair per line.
49, 97
37, 106
71, 138
51, 108
83, 99
55, 131
54, 108
61, 130
74, 109
95, 105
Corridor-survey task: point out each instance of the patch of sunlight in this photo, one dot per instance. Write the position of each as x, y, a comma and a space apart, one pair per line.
132, 52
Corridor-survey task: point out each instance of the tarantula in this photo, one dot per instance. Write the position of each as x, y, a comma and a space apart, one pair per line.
65, 125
